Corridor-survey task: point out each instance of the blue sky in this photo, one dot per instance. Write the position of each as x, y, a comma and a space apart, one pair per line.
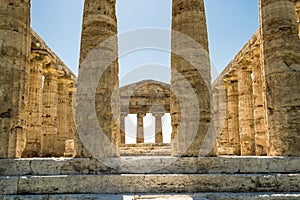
230, 24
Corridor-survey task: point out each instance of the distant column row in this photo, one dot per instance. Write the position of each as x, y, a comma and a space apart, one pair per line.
49, 108
140, 127
241, 113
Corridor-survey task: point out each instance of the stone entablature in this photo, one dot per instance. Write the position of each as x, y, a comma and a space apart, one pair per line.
50, 117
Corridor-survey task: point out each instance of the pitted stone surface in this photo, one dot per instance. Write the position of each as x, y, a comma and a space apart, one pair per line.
151, 164
150, 183
191, 196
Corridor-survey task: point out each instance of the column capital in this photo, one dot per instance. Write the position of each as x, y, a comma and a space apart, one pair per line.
141, 115
158, 114
41, 57
123, 114
245, 69
230, 78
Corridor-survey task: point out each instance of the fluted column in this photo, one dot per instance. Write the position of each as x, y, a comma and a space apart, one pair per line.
122, 128
222, 120
62, 115
69, 143
281, 63
298, 15
246, 121
259, 112
140, 136
35, 105
158, 127
71, 114
50, 121
14, 65
233, 117
190, 81
100, 24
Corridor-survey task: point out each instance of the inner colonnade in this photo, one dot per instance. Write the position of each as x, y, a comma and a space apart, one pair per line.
237, 138
252, 110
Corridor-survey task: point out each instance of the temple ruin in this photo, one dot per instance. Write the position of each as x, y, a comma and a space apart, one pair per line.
235, 138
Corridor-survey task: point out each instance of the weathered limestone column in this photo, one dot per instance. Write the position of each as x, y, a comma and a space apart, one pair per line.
35, 105
140, 137
62, 115
246, 121
69, 143
233, 117
222, 120
259, 112
281, 63
14, 65
298, 15
99, 24
50, 118
190, 71
71, 117
122, 128
158, 127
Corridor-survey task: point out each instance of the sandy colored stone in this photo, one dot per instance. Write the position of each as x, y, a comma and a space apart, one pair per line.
281, 60
140, 137
259, 112
99, 24
148, 96
150, 183
15, 26
246, 121
233, 117
190, 111
35, 104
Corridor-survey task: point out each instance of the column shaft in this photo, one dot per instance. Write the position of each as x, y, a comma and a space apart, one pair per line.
158, 128
69, 143
62, 116
14, 65
259, 112
246, 121
35, 106
281, 64
223, 139
140, 136
189, 125
100, 24
123, 129
233, 118
50, 121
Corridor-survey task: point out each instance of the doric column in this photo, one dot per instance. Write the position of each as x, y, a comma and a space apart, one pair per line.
14, 65
158, 127
222, 120
298, 15
69, 143
140, 128
35, 105
259, 112
233, 117
62, 115
281, 64
122, 128
100, 24
190, 78
50, 121
71, 116
246, 121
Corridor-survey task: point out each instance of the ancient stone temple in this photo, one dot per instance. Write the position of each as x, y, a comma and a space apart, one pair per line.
65, 137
